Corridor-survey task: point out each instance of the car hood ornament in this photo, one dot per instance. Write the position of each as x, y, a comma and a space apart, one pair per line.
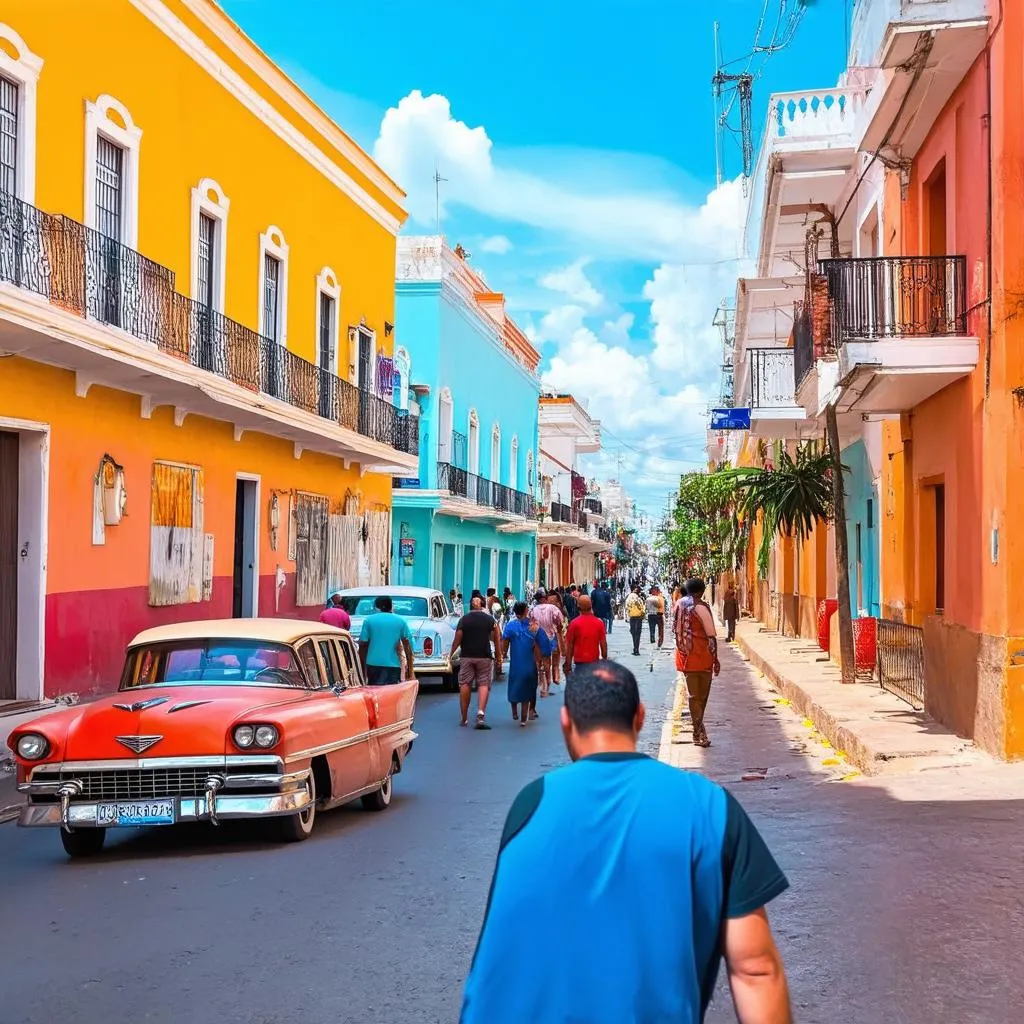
138, 743
141, 705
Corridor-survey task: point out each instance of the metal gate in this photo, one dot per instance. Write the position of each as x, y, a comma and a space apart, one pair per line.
900, 660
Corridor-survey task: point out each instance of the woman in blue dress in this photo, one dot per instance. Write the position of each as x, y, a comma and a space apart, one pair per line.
525, 644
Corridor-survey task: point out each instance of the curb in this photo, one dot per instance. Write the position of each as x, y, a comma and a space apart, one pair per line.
858, 751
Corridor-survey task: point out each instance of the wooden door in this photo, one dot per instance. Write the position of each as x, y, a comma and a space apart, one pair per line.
8, 565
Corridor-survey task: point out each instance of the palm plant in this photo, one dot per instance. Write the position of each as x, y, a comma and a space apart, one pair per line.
791, 497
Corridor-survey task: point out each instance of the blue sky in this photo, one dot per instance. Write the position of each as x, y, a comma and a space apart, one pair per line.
577, 137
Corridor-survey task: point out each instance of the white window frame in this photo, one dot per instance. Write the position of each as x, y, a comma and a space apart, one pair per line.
496, 453
473, 449
98, 121
446, 445
216, 208
513, 464
403, 365
24, 72
327, 284
353, 335
272, 243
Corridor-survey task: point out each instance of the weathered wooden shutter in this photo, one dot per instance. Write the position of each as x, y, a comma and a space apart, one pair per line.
176, 535
311, 514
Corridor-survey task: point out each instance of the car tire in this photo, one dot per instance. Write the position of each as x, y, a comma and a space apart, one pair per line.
296, 827
380, 798
85, 842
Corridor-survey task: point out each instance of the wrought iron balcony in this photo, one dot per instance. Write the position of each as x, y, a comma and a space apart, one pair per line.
803, 343
593, 505
93, 276
483, 492
772, 384
886, 297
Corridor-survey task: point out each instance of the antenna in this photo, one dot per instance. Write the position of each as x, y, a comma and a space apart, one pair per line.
437, 197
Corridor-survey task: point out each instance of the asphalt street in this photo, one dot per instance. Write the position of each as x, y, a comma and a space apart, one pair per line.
905, 903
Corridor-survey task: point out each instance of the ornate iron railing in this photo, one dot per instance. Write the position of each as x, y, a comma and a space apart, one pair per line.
484, 492
900, 660
772, 385
803, 344
593, 505
897, 297
95, 277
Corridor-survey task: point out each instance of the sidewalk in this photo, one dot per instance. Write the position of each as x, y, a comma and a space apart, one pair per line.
874, 729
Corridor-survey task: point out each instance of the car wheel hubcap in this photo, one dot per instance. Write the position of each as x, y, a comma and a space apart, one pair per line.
385, 790
306, 816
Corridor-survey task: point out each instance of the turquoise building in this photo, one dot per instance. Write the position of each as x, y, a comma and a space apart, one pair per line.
469, 519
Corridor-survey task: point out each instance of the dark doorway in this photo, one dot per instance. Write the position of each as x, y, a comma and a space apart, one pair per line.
368, 426
940, 548
935, 202
245, 582
9, 465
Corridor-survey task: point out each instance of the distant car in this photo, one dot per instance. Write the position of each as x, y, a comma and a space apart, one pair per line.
216, 721
432, 622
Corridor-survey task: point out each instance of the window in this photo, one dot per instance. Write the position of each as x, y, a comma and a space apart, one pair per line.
112, 143
273, 310
309, 663
19, 75
329, 656
529, 469
445, 447
176, 535
513, 464
474, 442
9, 102
360, 605
326, 351
496, 453
209, 244
211, 662
109, 188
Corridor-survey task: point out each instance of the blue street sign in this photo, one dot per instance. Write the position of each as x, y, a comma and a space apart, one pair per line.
405, 481
730, 419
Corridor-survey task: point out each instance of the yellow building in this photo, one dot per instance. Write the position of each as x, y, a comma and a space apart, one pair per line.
200, 403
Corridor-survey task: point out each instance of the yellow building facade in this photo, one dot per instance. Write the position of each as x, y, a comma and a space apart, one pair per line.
201, 401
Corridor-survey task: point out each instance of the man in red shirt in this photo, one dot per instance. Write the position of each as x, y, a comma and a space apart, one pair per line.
335, 615
587, 640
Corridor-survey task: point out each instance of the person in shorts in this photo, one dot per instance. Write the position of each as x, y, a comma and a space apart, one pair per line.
549, 617
475, 634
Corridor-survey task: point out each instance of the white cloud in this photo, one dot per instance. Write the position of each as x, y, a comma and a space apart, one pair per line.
499, 245
420, 135
573, 282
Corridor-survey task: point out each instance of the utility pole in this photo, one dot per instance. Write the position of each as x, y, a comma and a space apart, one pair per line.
847, 648
717, 93
437, 197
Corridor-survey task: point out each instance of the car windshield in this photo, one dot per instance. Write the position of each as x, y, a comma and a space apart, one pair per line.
361, 605
211, 662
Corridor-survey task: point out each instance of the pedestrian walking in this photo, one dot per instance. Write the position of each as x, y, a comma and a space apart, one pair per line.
478, 664
526, 647
660, 876
635, 610
549, 618
335, 615
602, 604
586, 640
569, 601
730, 612
557, 598
697, 658
382, 641
655, 609
495, 606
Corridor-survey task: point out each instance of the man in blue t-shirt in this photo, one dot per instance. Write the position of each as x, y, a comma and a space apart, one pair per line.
381, 640
660, 874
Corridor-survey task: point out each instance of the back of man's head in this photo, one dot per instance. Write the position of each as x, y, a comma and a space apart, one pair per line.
520, 608
584, 604
601, 697
695, 587
604, 586
476, 603
384, 603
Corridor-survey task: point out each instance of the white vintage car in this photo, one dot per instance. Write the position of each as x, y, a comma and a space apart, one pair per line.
432, 622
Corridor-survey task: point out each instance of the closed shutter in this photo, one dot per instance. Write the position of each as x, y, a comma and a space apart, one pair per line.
8, 136
311, 515
176, 535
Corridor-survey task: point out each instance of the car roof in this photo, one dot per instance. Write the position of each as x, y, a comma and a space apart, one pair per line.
282, 631
390, 591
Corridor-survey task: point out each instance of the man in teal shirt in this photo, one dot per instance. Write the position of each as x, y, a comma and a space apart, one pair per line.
382, 637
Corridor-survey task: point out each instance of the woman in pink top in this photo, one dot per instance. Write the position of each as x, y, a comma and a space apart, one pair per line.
550, 619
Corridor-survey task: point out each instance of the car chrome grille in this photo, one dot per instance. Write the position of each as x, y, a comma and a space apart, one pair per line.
142, 783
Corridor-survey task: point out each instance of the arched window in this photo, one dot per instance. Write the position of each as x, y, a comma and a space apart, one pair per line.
529, 470
513, 464
209, 243
112, 141
19, 75
445, 448
273, 310
401, 378
474, 442
496, 453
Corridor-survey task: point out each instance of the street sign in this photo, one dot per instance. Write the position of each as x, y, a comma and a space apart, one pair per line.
405, 481
730, 419
406, 547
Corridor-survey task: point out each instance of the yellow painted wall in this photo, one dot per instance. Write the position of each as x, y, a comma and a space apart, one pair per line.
193, 128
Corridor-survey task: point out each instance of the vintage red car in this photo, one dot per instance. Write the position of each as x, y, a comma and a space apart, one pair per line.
216, 721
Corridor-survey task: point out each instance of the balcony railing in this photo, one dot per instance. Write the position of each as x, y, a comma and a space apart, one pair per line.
484, 492
593, 505
772, 384
86, 273
803, 343
883, 297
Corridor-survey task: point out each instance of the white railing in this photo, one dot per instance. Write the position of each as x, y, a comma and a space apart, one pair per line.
772, 385
814, 116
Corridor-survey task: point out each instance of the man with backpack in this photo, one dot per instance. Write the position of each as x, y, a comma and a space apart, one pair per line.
697, 654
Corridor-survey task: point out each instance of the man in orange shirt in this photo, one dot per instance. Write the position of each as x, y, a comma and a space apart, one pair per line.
697, 654
587, 639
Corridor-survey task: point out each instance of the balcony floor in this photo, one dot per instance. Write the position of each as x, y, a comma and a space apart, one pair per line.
894, 376
783, 423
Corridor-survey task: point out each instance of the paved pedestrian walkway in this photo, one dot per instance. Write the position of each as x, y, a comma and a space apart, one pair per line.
904, 888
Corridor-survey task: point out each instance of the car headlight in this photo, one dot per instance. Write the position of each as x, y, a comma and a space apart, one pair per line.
266, 736
32, 746
244, 736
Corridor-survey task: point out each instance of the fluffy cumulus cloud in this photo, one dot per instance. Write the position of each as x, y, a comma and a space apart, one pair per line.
647, 371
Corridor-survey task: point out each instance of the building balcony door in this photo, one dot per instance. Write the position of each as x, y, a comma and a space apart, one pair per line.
9, 462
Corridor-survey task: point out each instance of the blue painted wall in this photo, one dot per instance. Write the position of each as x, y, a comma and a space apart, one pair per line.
450, 348
862, 509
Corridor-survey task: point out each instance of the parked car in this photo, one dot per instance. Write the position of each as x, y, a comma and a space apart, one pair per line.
432, 622
216, 721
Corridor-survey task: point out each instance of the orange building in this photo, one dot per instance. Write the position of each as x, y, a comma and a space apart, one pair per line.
197, 415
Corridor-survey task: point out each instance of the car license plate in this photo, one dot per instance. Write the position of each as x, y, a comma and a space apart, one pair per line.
135, 812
